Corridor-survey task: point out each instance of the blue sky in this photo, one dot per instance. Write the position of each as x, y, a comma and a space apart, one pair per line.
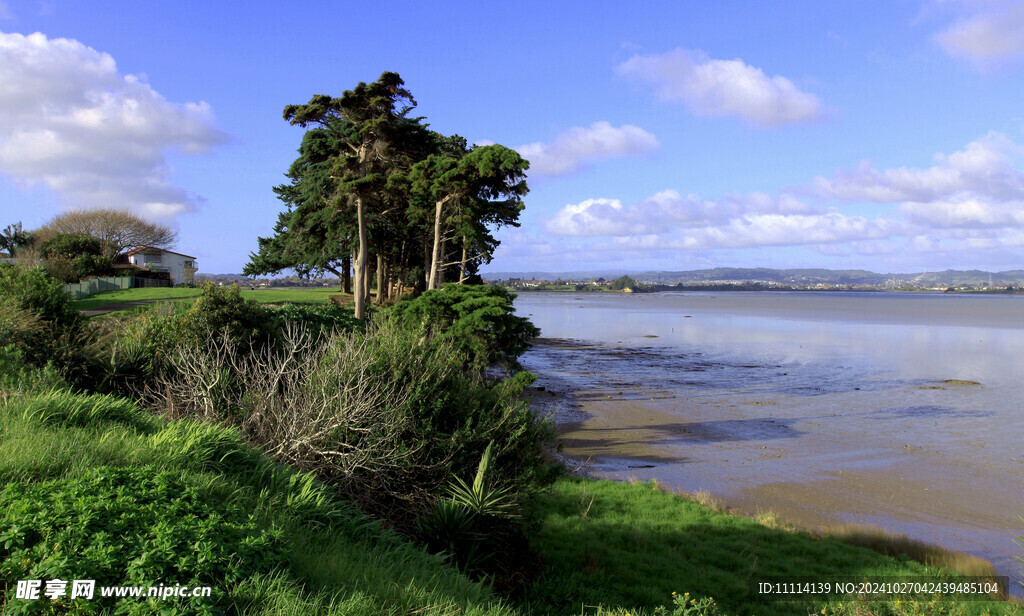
662, 135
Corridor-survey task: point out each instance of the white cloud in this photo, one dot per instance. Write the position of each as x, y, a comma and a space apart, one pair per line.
762, 230
978, 186
578, 146
968, 202
723, 88
70, 121
990, 34
665, 211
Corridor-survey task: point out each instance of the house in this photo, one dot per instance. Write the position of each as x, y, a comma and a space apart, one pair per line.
152, 259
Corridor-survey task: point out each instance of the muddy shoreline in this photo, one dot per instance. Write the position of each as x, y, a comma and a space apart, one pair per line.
752, 454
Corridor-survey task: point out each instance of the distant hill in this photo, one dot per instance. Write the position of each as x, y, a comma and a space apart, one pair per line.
797, 277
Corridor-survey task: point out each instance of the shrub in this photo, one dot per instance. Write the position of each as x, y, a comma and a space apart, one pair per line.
156, 529
39, 319
135, 347
71, 257
223, 309
140, 346
478, 319
323, 318
470, 525
386, 416
33, 290
18, 379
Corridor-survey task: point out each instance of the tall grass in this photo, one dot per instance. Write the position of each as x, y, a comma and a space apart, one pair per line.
340, 560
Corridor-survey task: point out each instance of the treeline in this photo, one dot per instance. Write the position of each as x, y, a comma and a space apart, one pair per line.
79, 244
374, 190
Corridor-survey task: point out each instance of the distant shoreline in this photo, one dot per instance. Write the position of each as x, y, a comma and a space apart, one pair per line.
758, 288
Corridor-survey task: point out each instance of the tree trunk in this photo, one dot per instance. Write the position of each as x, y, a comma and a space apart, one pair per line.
361, 263
441, 266
380, 279
435, 257
346, 275
462, 264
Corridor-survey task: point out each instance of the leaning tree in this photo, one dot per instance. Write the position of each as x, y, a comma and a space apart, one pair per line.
368, 120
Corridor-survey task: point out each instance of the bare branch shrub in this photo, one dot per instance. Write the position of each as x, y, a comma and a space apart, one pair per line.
333, 405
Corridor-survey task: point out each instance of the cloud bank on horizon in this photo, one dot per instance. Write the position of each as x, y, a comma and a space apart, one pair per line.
969, 200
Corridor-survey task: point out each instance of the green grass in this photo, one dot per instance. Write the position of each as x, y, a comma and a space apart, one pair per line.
338, 560
107, 298
263, 296
633, 545
297, 295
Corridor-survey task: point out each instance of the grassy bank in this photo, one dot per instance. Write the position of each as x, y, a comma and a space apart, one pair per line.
634, 545
320, 556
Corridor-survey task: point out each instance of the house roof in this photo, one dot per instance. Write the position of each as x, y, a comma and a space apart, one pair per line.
135, 251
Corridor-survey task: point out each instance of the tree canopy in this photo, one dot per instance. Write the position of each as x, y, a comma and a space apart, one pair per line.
117, 230
375, 187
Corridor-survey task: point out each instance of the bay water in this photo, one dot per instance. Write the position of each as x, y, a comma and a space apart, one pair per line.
901, 411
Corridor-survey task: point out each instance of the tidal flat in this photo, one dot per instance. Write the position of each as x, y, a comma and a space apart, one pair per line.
895, 411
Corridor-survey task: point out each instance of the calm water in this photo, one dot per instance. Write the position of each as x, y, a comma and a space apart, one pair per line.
841, 406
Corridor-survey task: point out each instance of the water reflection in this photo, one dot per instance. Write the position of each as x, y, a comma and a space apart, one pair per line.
744, 390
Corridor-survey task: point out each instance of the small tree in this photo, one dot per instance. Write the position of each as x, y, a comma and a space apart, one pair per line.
71, 257
624, 282
116, 230
14, 237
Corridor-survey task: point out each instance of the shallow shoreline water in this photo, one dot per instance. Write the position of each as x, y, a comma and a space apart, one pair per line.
817, 436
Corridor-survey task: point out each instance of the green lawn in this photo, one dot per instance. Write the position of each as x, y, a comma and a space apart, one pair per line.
319, 295
107, 298
264, 296
633, 545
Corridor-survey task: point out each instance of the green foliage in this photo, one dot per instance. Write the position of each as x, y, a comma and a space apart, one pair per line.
71, 257
223, 309
478, 319
33, 290
341, 561
37, 316
482, 498
624, 282
62, 407
323, 318
138, 527
70, 245
18, 379
471, 523
685, 605
13, 237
